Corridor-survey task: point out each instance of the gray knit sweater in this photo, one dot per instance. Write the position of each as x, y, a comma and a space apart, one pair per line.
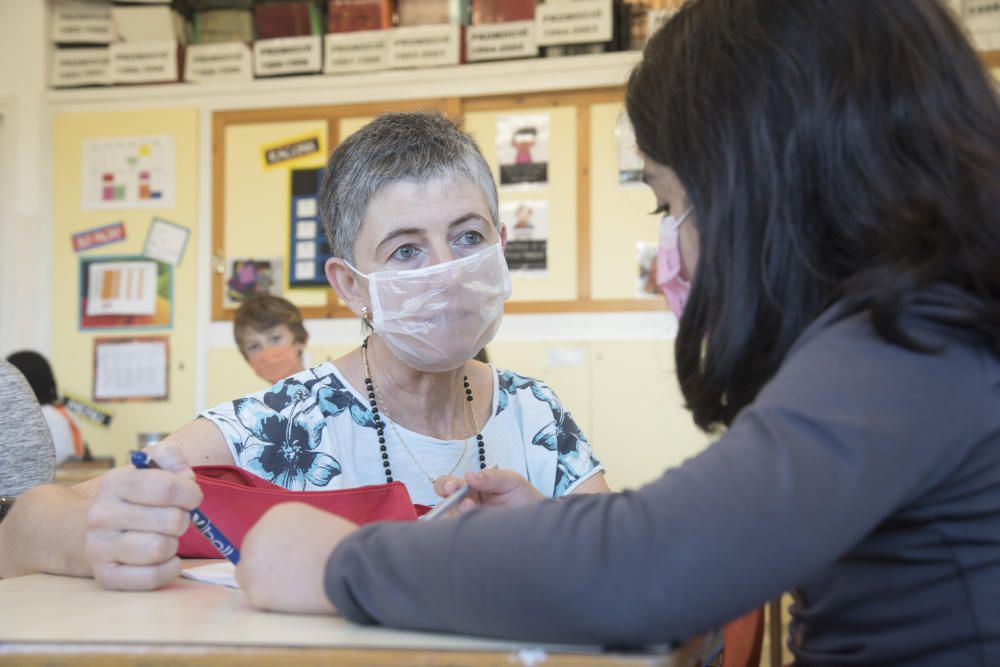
27, 455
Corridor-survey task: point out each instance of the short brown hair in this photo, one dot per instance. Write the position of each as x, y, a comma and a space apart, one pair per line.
263, 311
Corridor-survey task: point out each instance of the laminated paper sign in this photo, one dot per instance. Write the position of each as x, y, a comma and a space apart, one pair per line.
211, 63
144, 62
579, 22
81, 67
361, 51
288, 55
424, 46
82, 23
523, 150
982, 18
93, 238
290, 149
497, 41
527, 235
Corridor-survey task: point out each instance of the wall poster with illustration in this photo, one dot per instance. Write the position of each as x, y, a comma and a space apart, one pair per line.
527, 224
522, 142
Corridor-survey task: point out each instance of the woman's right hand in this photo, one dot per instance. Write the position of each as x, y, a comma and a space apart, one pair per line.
492, 487
136, 519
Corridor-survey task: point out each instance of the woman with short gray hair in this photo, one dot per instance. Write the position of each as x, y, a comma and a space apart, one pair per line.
410, 208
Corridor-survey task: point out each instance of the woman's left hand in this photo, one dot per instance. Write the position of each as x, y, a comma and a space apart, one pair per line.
283, 558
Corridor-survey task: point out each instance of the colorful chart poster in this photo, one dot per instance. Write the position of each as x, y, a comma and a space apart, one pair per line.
119, 292
121, 288
527, 235
131, 369
523, 150
128, 172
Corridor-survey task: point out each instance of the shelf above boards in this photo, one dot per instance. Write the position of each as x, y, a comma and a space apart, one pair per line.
495, 78
476, 79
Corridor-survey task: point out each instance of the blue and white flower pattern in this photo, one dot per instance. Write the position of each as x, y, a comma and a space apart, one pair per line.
286, 434
561, 435
282, 431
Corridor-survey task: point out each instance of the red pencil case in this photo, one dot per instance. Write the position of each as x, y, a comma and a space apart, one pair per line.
235, 499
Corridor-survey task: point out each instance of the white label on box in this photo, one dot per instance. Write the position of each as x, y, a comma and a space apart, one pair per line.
655, 19
287, 55
982, 19
81, 67
361, 51
143, 62
424, 46
495, 41
82, 24
206, 63
579, 22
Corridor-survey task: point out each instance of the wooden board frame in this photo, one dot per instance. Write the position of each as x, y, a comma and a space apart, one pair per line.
455, 107
581, 100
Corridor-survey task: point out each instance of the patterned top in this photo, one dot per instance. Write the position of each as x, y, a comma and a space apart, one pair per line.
314, 431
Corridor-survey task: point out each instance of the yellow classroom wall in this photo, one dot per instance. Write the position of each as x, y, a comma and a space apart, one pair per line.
623, 393
72, 351
254, 222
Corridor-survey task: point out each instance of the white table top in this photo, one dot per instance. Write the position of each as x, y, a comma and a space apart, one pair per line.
50, 610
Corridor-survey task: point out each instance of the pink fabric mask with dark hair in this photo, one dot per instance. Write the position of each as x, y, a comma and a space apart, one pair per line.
668, 264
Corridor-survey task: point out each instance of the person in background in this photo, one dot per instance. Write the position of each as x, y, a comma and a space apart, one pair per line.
828, 175
271, 336
65, 431
27, 455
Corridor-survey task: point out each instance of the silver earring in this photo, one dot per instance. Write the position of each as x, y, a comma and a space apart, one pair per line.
365, 315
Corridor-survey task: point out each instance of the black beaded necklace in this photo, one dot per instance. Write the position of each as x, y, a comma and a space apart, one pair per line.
380, 425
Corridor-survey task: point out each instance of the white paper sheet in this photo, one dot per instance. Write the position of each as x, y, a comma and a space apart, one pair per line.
166, 241
131, 369
121, 288
220, 574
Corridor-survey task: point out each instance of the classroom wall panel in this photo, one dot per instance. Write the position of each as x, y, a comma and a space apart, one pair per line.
638, 423
560, 282
72, 349
257, 225
619, 213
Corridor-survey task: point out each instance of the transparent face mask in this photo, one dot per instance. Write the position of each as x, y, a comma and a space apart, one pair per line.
436, 318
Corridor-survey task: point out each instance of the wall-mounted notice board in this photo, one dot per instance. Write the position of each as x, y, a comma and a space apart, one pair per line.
566, 175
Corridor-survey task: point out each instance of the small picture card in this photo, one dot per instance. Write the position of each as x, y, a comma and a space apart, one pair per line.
166, 241
93, 238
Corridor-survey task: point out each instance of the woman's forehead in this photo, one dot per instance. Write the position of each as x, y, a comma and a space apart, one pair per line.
411, 203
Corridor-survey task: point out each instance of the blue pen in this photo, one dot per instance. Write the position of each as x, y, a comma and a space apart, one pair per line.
198, 518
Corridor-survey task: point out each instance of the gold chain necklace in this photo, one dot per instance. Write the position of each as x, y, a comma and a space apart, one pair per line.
375, 398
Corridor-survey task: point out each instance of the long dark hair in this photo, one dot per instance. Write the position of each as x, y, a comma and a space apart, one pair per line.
833, 150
